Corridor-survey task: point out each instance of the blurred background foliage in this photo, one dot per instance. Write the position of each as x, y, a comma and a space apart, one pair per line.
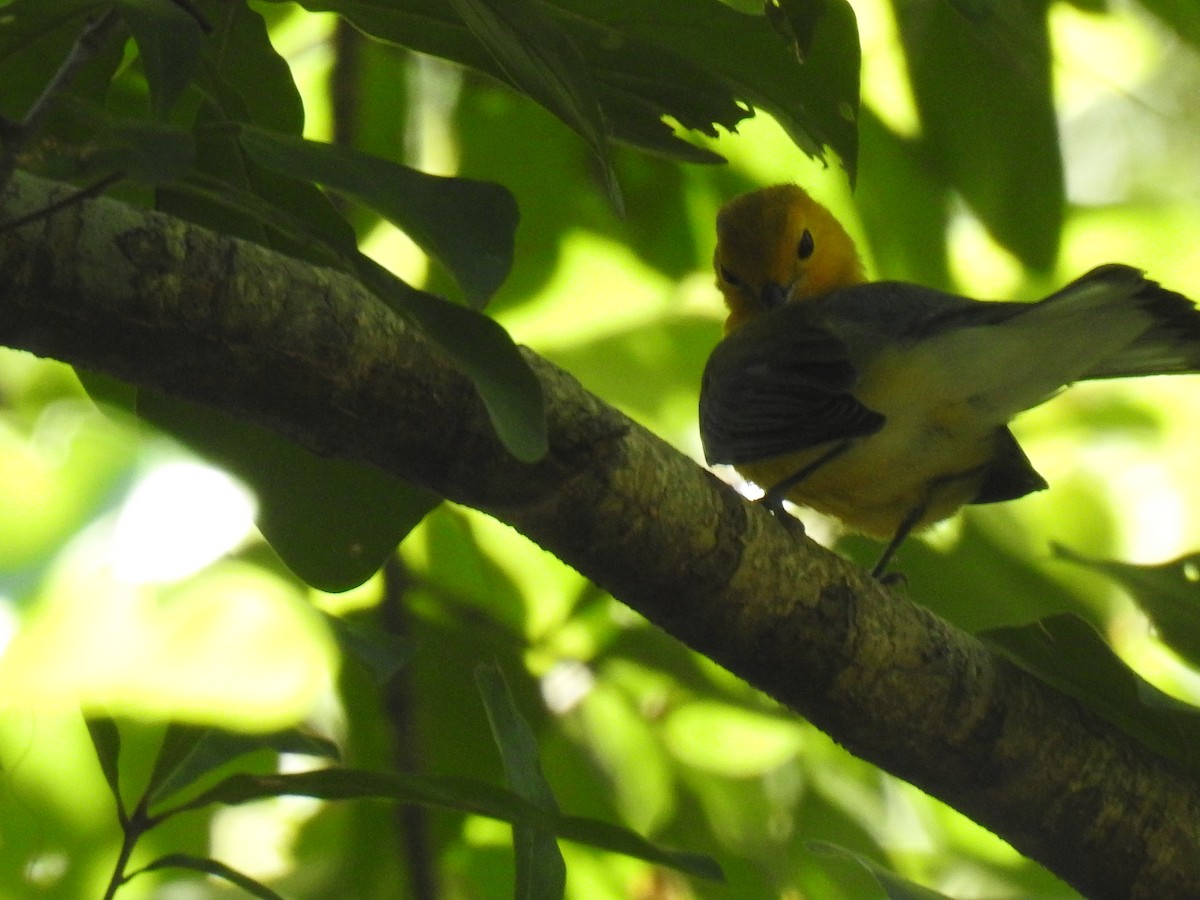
1001, 149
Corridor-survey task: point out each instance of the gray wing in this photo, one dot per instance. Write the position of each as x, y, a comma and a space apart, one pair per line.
778, 385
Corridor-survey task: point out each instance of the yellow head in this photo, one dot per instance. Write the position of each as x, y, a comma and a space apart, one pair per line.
778, 244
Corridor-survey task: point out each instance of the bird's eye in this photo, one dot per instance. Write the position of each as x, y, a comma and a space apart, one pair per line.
806, 246
731, 279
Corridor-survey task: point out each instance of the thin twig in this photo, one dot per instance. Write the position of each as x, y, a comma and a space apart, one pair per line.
16, 135
92, 190
131, 830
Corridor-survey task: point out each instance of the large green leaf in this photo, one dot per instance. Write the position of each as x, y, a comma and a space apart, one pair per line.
543, 62
331, 521
541, 872
815, 100
468, 226
652, 60
983, 88
485, 352
246, 76
462, 794
169, 42
1169, 595
147, 151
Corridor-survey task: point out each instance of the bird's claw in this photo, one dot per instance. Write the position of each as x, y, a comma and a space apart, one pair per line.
773, 502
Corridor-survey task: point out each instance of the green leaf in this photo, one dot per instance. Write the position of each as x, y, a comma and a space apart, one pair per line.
816, 101
332, 521
1169, 595
983, 88
178, 743
149, 152
652, 60
1069, 654
35, 38
541, 872
244, 81
468, 226
902, 202
169, 43
212, 867
291, 216
897, 888
247, 78
188, 753
106, 740
542, 60
487, 354
461, 794
382, 653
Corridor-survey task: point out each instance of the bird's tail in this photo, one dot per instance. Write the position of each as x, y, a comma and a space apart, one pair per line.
1170, 342
1110, 323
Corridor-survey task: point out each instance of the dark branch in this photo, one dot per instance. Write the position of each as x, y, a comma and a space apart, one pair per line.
308, 352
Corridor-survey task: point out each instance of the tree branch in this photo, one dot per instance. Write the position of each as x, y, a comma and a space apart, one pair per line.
308, 352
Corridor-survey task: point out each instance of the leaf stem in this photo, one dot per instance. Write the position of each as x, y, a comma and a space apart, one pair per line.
132, 828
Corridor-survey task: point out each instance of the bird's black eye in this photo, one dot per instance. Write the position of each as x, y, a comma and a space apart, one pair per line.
731, 279
806, 246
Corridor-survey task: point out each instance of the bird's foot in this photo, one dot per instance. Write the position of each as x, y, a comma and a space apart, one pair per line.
773, 501
890, 579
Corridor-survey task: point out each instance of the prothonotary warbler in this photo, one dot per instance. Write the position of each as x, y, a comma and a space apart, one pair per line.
886, 404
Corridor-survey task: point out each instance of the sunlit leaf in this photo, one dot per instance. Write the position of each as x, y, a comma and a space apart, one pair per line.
816, 101
468, 226
653, 60
541, 872
730, 740
331, 521
1169, 595
542, 60
462, 794
168, 42
628, 749
213, 867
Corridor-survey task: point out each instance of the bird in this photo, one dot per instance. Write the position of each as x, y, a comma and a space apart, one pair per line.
886, 404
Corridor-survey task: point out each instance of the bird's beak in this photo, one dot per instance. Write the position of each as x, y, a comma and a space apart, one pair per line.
773, 295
